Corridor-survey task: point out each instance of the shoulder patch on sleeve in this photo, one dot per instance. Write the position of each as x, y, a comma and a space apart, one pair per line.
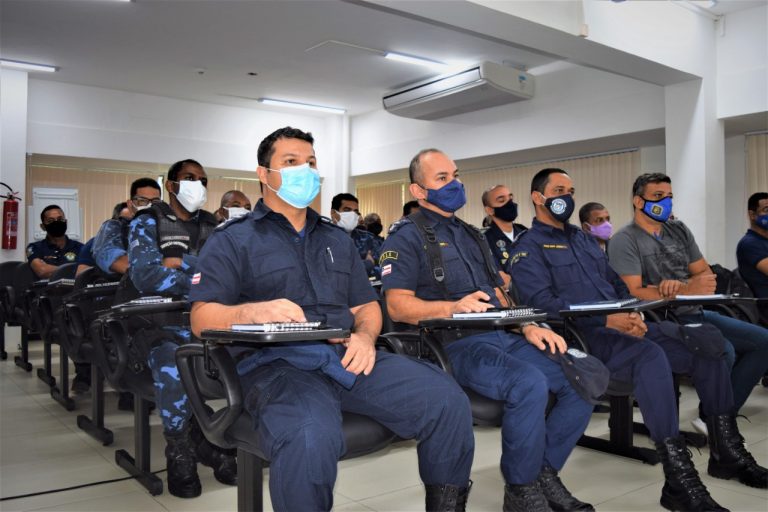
517, 257
388, 255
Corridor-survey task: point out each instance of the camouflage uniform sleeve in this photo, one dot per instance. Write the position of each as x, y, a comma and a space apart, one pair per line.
108, 245
145, 262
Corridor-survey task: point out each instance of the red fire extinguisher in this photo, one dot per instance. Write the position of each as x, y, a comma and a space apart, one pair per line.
10, 217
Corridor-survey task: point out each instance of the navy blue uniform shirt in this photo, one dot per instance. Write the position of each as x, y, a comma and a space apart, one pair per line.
404, 262
260, 257
752, 249
85, 256
50, 252
500, 243
552, 268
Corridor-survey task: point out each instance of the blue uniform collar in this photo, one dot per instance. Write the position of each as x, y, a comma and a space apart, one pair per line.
433, 218
67, 243
567, 231
755, 233
261, 210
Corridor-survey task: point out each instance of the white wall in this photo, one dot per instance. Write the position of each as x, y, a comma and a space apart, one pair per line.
13, 135
75, 120
742, 63
736, 196
659, 31
572, 103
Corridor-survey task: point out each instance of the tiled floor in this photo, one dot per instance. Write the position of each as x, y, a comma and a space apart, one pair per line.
41, 449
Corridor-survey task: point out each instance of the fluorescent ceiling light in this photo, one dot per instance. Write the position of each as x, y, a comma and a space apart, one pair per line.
27, 66
410, 59
302, 106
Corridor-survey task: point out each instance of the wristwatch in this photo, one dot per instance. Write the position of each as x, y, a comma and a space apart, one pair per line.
526, 324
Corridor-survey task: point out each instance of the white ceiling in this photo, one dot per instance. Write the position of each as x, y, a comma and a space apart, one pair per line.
158, 47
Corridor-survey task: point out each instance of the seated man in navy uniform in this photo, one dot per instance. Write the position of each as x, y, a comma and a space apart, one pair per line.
285, 263
345, 213
496, 364
502, 231
554, 265
110, 246
752, 250
163, 243
56, 248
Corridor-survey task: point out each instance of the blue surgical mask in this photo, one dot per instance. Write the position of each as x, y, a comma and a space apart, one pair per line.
561, 207
300, 185
448, 198
658, 210
762, 221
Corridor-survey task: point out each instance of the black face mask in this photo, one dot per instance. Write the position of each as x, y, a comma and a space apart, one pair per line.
506, 212
375, 228
56, 228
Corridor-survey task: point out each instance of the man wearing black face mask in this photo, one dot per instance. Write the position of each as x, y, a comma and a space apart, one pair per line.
502, 231
372, 223
57, 248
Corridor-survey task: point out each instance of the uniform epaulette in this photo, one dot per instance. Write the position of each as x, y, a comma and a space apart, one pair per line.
398, 224
328, 221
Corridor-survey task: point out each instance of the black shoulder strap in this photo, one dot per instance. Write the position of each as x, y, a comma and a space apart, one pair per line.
432, 246
485, 250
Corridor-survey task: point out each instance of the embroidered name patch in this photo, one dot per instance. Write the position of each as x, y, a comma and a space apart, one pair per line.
554, 246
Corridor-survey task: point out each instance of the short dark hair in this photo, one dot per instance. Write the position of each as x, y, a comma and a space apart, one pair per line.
414, 168
338, 198
638, 188
117, 209
541, 179
409, 206
175, 169
143, 183
754, 200
49, 208
586, 210
267, 146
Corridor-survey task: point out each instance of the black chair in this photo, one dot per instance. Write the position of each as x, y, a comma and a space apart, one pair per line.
7, 270
20, 312
208, 372
46, 302
93, 293
125, 335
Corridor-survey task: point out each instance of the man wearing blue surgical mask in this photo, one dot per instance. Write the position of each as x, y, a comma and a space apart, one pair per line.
286, 263
658, 257
752, 251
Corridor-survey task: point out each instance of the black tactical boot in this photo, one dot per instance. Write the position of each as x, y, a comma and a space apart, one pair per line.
728, 457
447, 498
222, 461
183, 481
525, 498
559, 498
683, 489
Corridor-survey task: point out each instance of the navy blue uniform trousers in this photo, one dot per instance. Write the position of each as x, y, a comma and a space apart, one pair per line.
297, 416
648, 363
503, 366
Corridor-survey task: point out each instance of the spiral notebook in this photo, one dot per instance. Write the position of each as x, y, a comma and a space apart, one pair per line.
277, 327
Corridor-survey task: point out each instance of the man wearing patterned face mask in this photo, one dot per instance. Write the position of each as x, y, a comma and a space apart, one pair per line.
345, 213
596, 222
658, 257
57, 248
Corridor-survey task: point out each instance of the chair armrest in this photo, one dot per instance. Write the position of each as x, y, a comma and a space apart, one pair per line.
435, 347
214, 424
402, 343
